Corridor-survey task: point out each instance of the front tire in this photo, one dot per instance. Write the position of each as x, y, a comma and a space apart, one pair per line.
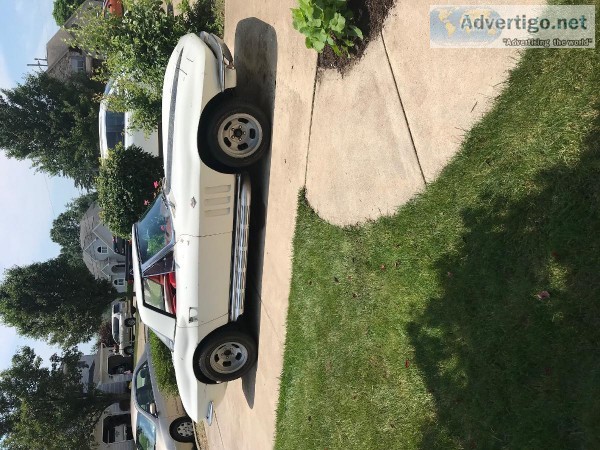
182, 430
128, 350
226, 355
238, 133
129, 322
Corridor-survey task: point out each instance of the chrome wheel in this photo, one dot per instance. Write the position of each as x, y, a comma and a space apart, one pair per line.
185, 429
182, 430
240, 135
228, 357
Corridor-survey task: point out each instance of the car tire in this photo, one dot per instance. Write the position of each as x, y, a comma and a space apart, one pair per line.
226, 355
129, 322
228, 119
128, 350
182, 430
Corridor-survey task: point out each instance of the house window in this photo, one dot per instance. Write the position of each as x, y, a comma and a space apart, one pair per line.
118, 268
78, 64
102, 249
119, 282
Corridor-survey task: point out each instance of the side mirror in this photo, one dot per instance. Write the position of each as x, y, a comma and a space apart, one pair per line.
152, 408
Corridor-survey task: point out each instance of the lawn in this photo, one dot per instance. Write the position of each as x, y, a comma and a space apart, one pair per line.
471, 318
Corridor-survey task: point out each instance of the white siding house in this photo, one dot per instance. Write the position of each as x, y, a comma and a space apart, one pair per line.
98, 254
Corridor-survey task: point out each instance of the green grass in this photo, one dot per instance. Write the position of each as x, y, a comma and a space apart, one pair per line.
448, 286
163, 365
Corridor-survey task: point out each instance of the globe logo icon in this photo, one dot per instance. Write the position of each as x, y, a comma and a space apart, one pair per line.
458, 26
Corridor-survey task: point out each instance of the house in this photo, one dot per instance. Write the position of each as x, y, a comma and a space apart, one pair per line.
111, 373
98, 252
113, 430
63, 59
113, 370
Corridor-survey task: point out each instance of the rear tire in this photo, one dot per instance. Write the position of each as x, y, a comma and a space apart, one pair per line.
182, 430
129, 322
237, 133
128, 350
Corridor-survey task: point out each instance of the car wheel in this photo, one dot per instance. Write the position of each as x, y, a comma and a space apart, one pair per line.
226, 355
238, 133
129, 322
182, 430
128, 350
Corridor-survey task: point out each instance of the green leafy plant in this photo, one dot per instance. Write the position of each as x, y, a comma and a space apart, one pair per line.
163, 365
326, 22
63, 9
126, 187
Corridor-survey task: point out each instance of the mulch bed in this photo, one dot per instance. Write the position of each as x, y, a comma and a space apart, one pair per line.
369, 16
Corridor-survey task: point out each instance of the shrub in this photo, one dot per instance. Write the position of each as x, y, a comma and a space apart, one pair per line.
63, 9
105, 335
326, 22
125, 186
137, 47
163, 365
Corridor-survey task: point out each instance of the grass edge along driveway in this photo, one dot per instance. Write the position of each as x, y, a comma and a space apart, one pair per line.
471, 318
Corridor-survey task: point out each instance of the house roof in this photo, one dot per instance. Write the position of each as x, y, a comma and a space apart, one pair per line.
90, 222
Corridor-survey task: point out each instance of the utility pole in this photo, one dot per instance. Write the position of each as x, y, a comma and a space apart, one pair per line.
38, 63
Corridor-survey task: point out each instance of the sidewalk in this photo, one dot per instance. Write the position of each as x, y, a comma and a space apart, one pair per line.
380, 134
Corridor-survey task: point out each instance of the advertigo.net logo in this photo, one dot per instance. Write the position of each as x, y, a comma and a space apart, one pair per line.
500, 26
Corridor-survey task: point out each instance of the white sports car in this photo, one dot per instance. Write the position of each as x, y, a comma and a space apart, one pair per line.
190, 247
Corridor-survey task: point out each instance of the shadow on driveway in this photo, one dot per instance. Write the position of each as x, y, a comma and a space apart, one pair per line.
255, 59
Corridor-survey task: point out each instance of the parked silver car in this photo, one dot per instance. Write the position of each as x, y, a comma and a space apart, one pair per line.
122, 326
159, 420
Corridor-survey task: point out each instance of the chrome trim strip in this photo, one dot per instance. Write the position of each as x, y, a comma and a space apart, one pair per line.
210, 413
240, 247
169, 149
221, 52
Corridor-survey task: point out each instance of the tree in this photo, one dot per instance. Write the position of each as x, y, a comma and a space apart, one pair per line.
49, 408
65, 228
63, 9
138, 45
126, 186
53, 123
105, 336
54, 300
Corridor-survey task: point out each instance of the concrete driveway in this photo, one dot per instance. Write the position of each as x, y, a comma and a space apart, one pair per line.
276, 69
362, 145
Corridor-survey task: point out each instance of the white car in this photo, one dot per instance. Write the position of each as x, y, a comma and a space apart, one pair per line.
159, 420
122, 321
115, 127
190, 247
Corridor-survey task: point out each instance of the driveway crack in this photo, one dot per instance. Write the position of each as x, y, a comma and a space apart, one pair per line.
312, 109
412, 140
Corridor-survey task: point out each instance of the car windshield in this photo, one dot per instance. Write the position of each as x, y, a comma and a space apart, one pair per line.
155, 230
143, 388
115, 330
145, 433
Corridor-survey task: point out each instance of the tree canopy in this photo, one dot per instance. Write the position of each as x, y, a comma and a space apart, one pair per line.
65, 228
48, 407
63, 9
138, 45
54, 300
126, 186
54, 124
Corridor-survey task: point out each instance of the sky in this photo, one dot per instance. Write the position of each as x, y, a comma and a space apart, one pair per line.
30, 201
